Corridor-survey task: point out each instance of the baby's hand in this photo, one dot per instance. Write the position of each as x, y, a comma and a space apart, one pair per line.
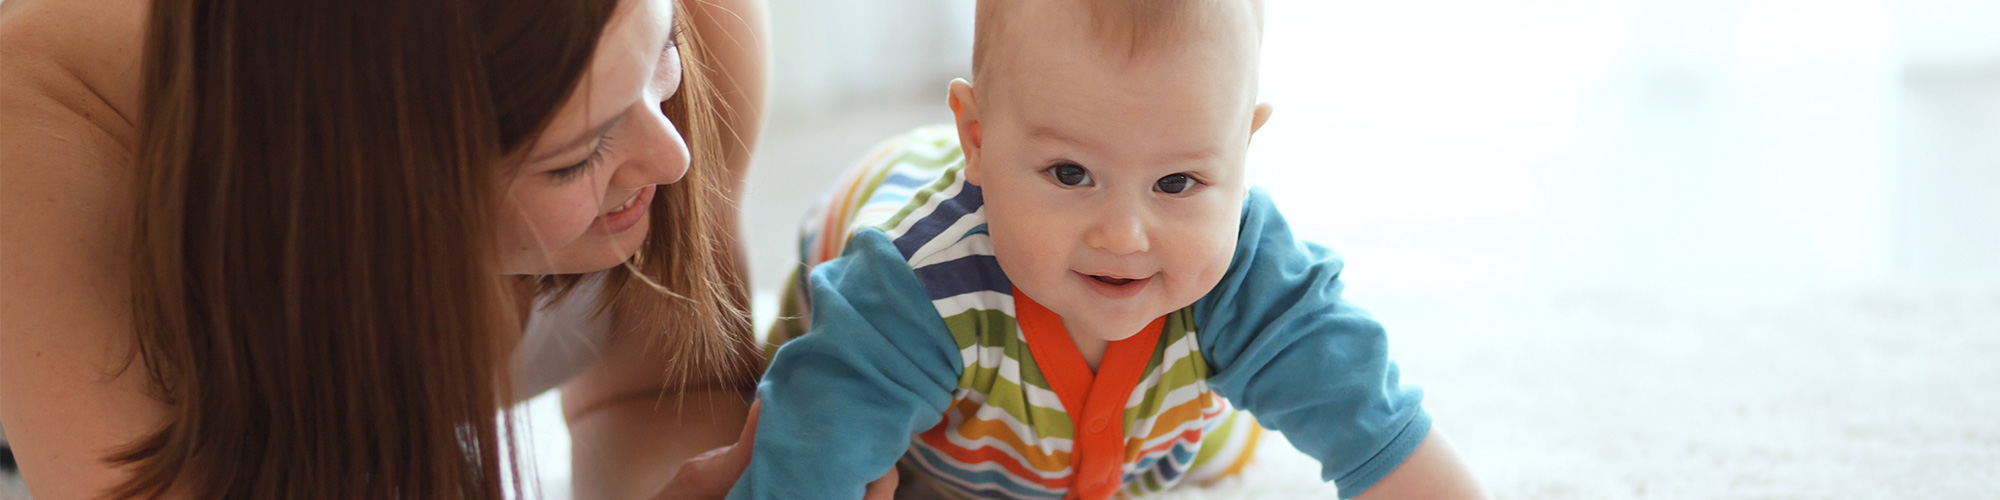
710, 475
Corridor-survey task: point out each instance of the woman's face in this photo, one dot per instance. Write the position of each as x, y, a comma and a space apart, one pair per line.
580, 199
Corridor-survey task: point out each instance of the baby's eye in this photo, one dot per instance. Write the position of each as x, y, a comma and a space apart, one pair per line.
1174, 184
1070, 174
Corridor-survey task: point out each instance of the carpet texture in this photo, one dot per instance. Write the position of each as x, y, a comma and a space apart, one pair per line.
1641, 393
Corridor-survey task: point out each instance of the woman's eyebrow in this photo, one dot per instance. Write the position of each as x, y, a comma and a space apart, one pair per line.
584, 140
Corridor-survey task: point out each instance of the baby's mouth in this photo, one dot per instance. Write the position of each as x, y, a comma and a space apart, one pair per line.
1110, 280
1114, 287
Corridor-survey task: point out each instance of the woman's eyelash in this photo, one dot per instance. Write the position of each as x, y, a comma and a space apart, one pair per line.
569, 173
674, 36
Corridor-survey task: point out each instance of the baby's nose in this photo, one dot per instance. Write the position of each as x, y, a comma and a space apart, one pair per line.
1119, 235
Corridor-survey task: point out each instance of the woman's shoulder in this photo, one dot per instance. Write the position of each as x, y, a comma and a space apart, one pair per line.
70, 92
66, 217
70, 95
95, 43
65, 154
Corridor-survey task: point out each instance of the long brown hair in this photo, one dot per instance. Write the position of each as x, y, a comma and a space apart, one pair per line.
315, 291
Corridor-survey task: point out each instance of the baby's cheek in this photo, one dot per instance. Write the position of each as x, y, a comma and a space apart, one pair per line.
1213, 258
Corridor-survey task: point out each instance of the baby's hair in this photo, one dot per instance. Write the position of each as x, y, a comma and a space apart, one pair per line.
1127, 27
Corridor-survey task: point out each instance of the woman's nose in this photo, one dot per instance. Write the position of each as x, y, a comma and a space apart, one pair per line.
654, 151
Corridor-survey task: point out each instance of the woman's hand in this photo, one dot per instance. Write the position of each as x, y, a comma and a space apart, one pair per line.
710, 475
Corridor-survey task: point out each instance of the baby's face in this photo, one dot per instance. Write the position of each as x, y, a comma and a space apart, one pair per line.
1114, 185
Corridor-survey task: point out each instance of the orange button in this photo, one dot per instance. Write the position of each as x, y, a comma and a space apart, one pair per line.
1098, 424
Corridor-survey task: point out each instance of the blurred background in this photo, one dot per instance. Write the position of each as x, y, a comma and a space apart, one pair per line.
1629, 248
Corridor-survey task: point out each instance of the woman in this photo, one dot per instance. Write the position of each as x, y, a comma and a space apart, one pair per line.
288, 249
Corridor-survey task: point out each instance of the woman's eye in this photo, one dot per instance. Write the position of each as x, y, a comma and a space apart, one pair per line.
569, 173
1070, 174
1174, 184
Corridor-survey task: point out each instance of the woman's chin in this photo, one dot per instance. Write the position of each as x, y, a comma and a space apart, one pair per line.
607, 253
586, 255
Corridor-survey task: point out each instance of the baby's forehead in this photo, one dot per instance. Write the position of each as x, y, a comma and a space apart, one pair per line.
1046, 55
1115, 32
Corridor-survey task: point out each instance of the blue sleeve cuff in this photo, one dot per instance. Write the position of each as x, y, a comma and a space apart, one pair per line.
1386, 461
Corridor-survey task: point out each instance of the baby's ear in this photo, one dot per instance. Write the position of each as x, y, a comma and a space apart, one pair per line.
1259, 116
965, 112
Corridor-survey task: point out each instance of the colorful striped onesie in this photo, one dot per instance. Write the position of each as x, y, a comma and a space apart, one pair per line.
921, 351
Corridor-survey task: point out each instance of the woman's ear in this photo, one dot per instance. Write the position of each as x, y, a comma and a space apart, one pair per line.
966, 113
1259, 116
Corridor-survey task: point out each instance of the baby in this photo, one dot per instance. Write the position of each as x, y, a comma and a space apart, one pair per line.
1073, 294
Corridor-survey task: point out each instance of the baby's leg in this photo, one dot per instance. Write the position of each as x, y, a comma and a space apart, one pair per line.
1225, 449
851, 202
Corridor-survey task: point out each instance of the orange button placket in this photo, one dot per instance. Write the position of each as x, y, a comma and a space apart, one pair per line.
1095, 401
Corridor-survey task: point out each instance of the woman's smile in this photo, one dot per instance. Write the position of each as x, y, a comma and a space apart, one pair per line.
625, 215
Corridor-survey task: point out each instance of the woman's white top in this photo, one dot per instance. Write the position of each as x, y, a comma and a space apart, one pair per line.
561, 340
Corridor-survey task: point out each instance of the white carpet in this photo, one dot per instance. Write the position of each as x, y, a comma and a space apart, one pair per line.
1623, 393
1630, 393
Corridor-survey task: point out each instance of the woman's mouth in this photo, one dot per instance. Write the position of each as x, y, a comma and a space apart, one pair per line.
627, 214
628, 204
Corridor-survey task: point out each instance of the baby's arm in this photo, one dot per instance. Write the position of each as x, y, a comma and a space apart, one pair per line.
1285, 346
1433, 471
840, 403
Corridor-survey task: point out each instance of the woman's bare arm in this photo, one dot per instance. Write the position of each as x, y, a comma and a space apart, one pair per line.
629, 444
736, 42
630, 428
68, 96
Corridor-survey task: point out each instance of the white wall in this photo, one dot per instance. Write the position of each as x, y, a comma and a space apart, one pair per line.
1453, 143
834, 55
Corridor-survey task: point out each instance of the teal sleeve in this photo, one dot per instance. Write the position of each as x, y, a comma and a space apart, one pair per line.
842, 402
1282, 344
